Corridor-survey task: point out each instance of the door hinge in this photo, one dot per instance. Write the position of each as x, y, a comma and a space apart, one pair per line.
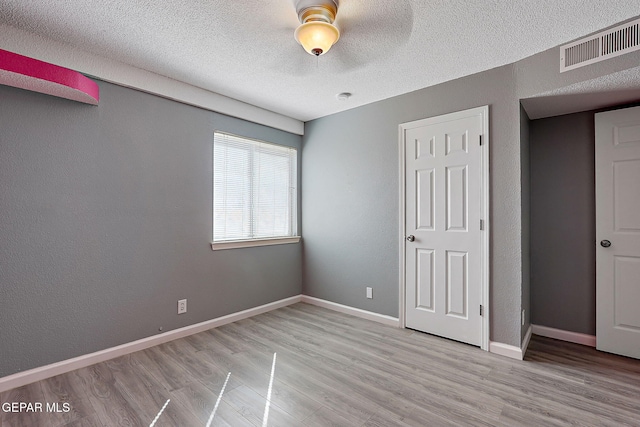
481, 310
481, 224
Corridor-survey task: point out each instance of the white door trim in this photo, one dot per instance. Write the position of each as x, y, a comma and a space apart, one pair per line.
484, 112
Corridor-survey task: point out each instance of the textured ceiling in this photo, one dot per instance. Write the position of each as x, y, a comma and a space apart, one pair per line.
245, 49
606, 91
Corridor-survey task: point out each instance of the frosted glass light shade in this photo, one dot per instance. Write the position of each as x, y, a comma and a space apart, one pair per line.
317, 37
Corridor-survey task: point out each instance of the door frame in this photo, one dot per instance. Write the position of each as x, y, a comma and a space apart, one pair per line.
483, 112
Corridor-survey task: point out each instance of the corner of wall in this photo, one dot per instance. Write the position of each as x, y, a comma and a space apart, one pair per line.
525, 223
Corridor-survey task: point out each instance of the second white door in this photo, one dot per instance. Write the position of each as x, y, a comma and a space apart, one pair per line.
618, 231
444, 224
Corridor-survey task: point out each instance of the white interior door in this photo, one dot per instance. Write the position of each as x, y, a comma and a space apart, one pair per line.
618, 231
445, 195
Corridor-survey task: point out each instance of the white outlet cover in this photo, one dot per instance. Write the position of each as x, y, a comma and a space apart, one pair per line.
182, 306
370, 293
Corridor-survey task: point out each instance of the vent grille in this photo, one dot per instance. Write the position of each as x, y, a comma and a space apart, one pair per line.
607, 44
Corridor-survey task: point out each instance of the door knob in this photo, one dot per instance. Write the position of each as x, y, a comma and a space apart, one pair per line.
605, 243
411, 238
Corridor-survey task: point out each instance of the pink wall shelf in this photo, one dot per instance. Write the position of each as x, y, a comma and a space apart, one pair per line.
38, 76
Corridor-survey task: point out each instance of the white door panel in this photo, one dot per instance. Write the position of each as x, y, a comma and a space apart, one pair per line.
444, 204
618, 221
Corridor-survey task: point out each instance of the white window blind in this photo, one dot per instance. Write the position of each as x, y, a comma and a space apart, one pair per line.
254, 189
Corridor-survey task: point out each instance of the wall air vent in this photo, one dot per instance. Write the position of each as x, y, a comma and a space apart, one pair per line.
615, 41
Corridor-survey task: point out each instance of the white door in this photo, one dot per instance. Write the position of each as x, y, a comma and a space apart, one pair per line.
618, 231
445, 190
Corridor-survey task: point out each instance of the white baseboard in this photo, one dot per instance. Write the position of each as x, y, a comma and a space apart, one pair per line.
510, 351
525, 341
357, 312
27, 377
559, 334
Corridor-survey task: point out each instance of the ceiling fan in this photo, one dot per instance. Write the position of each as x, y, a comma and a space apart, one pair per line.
368, 31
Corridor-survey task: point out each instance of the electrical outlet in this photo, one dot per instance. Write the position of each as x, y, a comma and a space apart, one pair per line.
182, 306
370, 293
523, 317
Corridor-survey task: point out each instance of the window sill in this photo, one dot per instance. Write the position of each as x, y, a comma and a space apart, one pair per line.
236, 244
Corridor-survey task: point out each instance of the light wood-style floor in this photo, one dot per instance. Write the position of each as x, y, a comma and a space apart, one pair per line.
336, 370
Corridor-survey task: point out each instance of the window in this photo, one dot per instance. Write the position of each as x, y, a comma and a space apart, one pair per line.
254, 192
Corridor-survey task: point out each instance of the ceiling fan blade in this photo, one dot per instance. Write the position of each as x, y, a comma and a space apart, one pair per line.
371, 28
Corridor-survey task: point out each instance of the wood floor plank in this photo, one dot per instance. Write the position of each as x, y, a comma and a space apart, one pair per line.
309, 382
456, 360
426, 366
218, 340
320, 387
584, 398
210, 374
255, 373
341, 376
252, 406
199, 341
326, 417
335, 369
585, 361
445, 402
241, 371
295, 403
90, 421
59, 390
226, 416
565, 408
30, 394
201, 402
514, 416
110, 405
169, 373
381, 420
139, 386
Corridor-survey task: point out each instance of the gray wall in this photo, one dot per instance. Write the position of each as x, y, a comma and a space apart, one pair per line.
350, 176
525, 215
563, 253
105, 222
351, 192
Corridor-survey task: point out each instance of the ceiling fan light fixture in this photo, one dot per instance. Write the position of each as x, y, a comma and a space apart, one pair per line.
317, 33
317, 37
